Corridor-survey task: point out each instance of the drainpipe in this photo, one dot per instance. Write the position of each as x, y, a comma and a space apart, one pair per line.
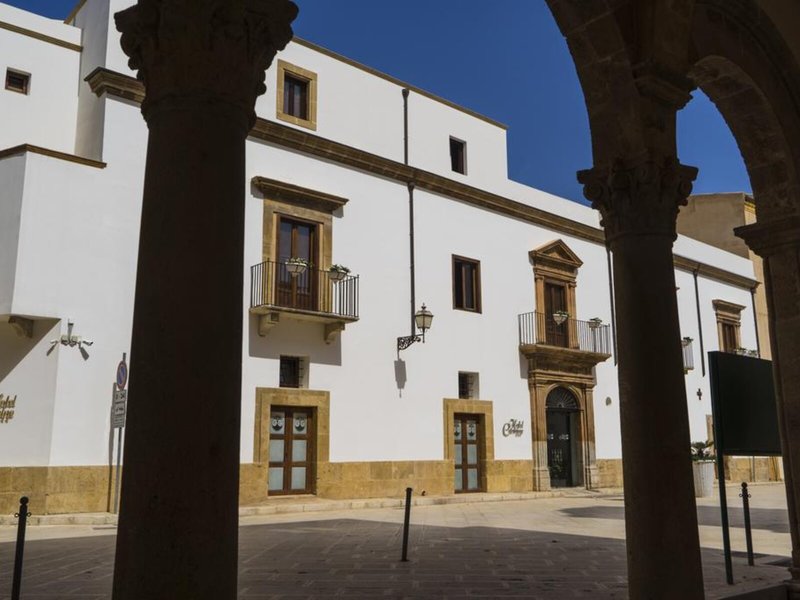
699, 322
755, 317
410, 214
613, 309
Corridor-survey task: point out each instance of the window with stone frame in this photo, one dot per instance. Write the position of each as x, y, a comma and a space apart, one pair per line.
297, 95
17, 81
729, 319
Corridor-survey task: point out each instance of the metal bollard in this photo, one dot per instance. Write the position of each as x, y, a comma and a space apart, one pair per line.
23, 515
748, 534
406, 524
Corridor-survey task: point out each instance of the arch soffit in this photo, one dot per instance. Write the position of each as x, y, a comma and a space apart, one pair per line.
743, 65
623, 51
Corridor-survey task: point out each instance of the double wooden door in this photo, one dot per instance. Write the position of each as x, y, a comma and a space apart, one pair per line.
291, 450
555, 300
297, 239
468, 445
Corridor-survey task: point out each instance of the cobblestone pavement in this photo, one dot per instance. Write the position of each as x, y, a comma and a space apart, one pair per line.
546, 548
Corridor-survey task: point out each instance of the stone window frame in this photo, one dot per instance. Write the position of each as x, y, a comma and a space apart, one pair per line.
26, 87
555, 262
303, 74
319, 400
283, 199
728, 313
483, 408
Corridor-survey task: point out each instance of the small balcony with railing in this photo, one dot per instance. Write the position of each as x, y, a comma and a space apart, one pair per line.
285, 289
560, 335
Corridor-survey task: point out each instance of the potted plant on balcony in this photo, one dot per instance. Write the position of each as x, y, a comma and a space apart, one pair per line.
703, 468
338, 272
560, 316
296, 266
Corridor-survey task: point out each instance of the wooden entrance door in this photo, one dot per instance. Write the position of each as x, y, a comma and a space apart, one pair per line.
559, 447
291, 450
296, 239
555, 299
468, 438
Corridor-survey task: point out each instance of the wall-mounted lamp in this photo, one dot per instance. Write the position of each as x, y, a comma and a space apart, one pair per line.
72, 340
423, 319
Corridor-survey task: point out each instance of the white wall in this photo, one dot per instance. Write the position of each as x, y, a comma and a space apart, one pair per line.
46, 116
28, 369
12, 179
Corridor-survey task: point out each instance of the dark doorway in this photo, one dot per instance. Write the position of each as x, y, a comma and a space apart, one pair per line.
563, 419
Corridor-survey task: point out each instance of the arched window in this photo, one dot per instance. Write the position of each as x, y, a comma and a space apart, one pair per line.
562, 398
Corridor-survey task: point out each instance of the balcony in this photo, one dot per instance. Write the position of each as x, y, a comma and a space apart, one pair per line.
313, 295
563, 345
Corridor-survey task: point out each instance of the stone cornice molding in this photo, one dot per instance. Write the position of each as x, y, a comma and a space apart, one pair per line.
294, 194
642, 199
23, 148
49, 39
190, 51
769, 238
123, 86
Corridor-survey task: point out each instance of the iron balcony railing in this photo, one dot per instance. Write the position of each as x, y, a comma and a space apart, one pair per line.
541, 328
271, 284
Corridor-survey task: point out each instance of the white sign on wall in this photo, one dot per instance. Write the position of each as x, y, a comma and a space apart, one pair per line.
119, 408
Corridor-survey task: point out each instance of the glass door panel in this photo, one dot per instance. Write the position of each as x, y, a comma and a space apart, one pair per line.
296, 239
468, 440
290, 451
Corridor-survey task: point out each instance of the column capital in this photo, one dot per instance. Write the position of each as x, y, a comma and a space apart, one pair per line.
642, 198
770, 238
196, 51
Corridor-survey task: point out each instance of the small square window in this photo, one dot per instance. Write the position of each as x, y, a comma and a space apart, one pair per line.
458, 156
466, 284
297, 95
468, 386
293, 372
17, 81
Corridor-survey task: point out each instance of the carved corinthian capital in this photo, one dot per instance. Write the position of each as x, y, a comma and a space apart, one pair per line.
204, 50
640, 199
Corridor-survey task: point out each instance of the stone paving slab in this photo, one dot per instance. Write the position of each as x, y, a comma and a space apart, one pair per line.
551, 548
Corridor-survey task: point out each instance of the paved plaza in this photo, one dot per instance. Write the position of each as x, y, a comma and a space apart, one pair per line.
562, 547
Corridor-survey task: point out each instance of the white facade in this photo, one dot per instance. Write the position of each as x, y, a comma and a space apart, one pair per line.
68, 247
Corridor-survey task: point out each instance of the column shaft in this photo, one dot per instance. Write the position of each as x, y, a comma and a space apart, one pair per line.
660, 516
178, 523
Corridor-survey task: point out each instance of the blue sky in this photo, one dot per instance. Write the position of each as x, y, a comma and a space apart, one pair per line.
507, 61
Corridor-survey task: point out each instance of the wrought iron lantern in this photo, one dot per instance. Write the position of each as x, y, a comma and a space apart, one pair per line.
422, 319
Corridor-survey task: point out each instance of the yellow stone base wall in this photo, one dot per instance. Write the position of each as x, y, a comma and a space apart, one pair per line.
54, 490
609, 472
745, 468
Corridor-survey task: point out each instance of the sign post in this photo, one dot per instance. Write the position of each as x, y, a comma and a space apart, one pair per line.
119, 408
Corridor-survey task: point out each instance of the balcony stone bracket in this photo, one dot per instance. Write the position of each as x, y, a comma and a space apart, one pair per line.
22, 327
268, 320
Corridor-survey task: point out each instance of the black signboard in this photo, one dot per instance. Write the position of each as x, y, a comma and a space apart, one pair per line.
743, 400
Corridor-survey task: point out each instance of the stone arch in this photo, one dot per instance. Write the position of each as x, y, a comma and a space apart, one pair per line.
743, 65
563, 397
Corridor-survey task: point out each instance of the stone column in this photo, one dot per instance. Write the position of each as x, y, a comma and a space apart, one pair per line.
778, 243
541, 471
203, 64
639, 207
